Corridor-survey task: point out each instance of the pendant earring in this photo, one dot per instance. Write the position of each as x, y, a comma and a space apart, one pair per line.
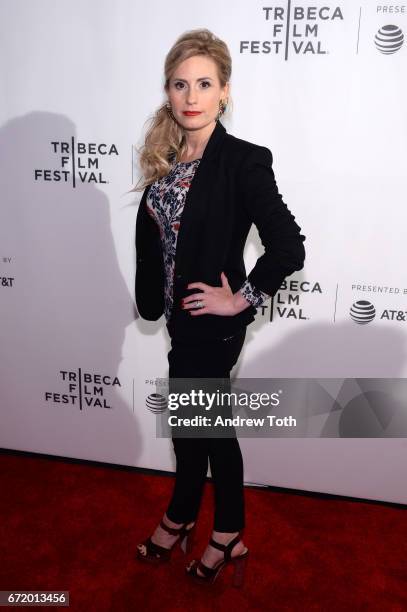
222, 107
169, 111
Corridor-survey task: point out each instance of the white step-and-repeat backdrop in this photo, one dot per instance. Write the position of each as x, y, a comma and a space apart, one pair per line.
323, 85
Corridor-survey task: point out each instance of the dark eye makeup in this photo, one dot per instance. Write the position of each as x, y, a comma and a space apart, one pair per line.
176, 83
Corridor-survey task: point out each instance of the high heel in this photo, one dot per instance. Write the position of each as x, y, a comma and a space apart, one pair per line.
186, 541
240, 563
210, 573
154, 553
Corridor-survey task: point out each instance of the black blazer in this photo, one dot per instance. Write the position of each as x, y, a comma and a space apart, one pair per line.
233, 187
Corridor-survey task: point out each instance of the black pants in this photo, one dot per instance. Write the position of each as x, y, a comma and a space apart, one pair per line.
212, 359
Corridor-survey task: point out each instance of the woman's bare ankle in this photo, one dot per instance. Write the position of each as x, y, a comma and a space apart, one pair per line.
224, 537
171, 523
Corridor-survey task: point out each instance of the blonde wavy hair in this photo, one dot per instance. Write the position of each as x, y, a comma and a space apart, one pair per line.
164, 136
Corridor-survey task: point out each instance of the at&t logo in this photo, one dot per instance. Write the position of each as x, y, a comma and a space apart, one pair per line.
389, 39
362, 312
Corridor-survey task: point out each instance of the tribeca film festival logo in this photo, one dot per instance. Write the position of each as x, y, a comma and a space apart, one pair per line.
287, 303
78, 162
83, 389
364, 311
293, 28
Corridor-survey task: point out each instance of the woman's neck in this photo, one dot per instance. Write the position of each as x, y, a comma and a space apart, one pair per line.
195, 148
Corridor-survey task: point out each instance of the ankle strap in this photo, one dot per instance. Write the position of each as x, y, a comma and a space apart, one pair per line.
226, 548
173, 530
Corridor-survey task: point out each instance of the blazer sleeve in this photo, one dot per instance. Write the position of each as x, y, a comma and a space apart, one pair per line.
149, 284
280, 235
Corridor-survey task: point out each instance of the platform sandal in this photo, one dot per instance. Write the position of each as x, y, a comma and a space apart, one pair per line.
210, 573
149, 551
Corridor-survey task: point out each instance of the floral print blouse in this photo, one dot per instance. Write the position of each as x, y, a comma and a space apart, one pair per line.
165, 203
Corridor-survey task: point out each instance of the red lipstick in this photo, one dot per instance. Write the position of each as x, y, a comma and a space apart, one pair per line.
191, 113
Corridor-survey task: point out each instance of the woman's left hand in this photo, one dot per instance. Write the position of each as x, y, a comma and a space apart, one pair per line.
216, 300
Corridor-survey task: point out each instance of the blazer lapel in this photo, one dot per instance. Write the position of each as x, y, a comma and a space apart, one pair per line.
196, 201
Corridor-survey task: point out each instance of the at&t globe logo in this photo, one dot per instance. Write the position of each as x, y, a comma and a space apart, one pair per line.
362, 312
389, 39
156, 403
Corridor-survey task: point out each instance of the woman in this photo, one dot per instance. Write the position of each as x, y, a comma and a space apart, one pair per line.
203, 189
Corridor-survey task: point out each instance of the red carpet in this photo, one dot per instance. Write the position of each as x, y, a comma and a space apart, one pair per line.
68, 525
